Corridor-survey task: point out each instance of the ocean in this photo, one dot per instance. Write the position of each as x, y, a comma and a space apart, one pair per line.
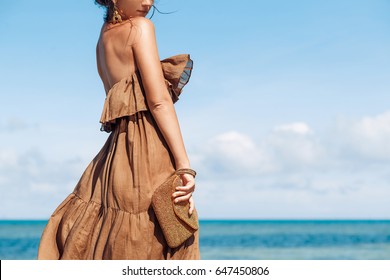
247, 240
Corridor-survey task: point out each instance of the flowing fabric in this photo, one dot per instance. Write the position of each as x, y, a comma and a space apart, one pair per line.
109, 215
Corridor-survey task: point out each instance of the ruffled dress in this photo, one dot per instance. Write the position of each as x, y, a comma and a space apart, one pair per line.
109, 215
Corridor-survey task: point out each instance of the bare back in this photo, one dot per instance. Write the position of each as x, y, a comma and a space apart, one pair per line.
114, 55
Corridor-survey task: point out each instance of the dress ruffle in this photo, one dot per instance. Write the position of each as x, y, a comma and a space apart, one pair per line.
82, 232
127, 96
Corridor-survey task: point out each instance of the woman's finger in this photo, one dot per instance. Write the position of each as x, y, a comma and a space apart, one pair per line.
185, 189
179, 193
189, 187
192, 206
183, 198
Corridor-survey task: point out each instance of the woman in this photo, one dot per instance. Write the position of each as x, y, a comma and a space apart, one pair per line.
109, 213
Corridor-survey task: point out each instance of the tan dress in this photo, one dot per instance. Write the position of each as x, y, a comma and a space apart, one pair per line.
109, 215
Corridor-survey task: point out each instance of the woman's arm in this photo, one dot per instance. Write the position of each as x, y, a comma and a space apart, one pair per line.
160, 102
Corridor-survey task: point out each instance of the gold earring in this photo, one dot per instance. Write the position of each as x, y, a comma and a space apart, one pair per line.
116, 17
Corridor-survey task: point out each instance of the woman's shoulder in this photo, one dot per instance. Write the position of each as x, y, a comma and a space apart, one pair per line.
142, 23
144, 34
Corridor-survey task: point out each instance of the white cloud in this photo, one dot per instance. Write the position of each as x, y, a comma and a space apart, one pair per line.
233, 153
296, 196
296, 127
288, 146
30, 179
44, 188
309, 176
368, 137
7, 158
14, 124
294, 145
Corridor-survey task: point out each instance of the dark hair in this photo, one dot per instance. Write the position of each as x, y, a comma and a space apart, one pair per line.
109, 6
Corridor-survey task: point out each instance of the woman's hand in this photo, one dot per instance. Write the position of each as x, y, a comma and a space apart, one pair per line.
184, 193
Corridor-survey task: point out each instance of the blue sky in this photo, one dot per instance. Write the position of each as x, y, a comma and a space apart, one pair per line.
286, 114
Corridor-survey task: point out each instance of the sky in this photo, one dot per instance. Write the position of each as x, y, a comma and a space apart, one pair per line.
286, 115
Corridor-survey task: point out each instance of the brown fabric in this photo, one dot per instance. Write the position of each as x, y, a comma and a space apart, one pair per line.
109, 214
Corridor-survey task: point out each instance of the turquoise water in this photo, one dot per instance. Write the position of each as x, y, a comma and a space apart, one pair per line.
286, 240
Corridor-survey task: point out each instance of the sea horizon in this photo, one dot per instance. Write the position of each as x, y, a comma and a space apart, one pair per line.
272, 239
240, 219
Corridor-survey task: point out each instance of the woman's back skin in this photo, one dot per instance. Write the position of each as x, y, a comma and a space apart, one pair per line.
114, 54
